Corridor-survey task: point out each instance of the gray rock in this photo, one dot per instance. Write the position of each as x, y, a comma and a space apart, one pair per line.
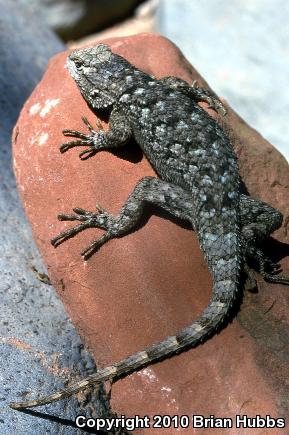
241, 48
40, 348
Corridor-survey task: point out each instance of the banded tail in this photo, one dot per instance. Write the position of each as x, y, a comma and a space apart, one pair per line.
222, 254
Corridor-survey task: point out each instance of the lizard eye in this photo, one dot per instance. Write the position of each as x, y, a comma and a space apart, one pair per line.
78, 64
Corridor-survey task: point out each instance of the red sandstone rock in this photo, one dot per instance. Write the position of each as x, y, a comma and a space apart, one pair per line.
149, 284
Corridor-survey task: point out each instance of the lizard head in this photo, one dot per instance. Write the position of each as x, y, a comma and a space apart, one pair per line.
98, 73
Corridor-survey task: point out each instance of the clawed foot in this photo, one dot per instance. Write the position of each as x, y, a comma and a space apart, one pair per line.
216, 104
209, 97
91, 140
269, 270
275, 278
88, 219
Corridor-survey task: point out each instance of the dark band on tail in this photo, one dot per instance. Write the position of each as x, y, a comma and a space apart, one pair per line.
191, 336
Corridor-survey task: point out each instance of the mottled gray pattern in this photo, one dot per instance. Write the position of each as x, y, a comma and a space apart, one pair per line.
199, 182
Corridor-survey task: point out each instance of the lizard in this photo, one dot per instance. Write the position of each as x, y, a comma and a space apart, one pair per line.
198, 181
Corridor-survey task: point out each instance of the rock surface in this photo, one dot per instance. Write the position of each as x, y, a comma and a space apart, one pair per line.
149, 284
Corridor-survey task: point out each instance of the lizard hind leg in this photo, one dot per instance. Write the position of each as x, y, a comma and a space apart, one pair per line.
101, 219
169, 197
258, 221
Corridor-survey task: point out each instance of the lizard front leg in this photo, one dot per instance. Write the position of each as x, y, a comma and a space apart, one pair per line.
169, 197
117, 135
195, 92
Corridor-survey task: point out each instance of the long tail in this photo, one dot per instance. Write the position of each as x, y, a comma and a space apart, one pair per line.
224, 293
220, 243
190, 336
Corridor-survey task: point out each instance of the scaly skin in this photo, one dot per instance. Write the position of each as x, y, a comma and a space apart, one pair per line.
198, 181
